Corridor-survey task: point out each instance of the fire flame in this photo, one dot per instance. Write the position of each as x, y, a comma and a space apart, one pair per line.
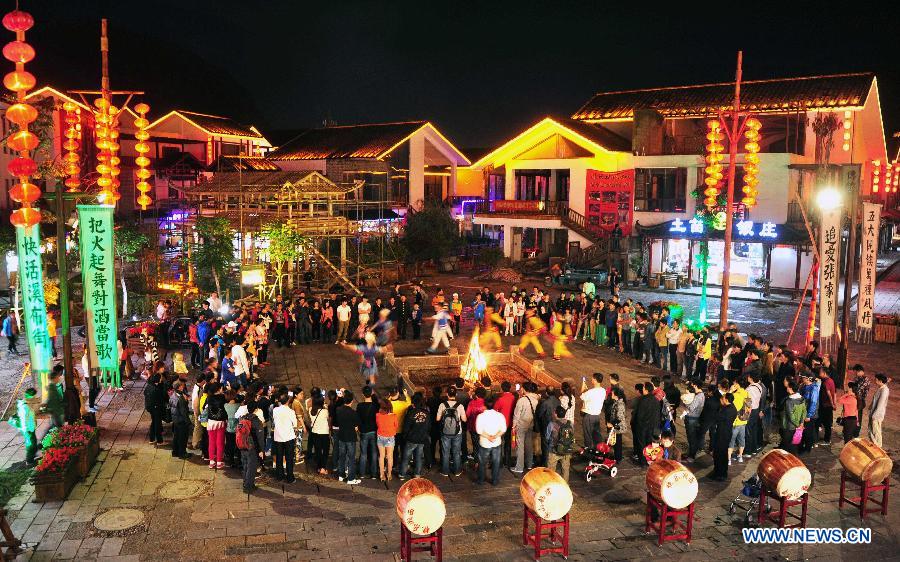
475, 365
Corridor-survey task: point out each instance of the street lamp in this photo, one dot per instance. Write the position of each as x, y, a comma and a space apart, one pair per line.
828, 199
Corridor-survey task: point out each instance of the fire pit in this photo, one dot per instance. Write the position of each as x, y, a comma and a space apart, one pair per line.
441, 370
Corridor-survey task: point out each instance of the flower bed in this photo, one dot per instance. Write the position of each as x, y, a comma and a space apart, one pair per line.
69, 454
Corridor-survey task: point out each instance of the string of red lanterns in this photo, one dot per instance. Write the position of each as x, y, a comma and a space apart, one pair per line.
713, 163
71, 145
22, 114
142, 148
751, 160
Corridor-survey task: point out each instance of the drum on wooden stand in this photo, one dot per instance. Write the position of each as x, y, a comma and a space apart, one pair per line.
784, 474
866, 461
420, 506
546, 493
673, 484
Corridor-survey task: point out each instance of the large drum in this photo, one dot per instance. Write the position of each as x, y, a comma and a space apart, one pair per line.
784, 474
420, 506
866, 461
546, 493
672, 483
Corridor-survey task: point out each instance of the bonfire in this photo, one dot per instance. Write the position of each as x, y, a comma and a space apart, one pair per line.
475, 365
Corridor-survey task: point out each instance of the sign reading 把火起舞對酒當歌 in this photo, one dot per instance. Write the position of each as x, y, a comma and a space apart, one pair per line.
31, 282
99, 278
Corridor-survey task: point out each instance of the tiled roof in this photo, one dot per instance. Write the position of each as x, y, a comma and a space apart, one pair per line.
231, 163
595, 133
217, 125
782, 94
350, 141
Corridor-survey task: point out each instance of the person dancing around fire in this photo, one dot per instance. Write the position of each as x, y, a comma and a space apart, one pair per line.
534, 327
491, 333
442, 328
560, 333
368, 352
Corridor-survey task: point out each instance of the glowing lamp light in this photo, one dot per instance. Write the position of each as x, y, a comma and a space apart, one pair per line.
18, 51
751, 166
18, 21
253, 276
828, 198
713, 160
848, 124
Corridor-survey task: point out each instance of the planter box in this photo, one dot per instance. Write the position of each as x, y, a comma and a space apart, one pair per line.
56, 487
886, 333
88, 456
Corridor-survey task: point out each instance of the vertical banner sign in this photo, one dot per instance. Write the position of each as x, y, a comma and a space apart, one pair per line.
829, 270
99, 279
865, 302
31, 281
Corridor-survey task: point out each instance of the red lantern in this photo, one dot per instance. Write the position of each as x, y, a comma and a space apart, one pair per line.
25, 193
22, 166
21, 114
17, 21
25, 217
18, 52
22, 140
19, 81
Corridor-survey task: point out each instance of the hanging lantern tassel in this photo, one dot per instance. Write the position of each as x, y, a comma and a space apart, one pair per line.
751, 159
714, 158
141, 147
21, 141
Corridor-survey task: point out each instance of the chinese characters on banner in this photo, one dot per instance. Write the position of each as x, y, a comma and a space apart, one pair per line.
865, 303
829, 271
31, 282
609, 199
98, 276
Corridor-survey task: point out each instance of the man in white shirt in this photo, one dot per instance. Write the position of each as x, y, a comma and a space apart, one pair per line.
490, 427
343, 318
284, 420
215, 303
241, 364
591, 410
364, 309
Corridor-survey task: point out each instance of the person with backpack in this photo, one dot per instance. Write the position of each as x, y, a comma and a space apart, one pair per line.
744, 407
451, 415
250, 439
181, 421
793, 414
560, 439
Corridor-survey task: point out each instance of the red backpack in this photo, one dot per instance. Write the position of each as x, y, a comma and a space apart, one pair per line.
243, 436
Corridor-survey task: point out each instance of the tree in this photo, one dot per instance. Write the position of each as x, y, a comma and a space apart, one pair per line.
285, 245
214, 251
430, 234
129, 242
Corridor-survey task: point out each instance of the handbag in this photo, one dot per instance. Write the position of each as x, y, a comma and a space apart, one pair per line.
798, 436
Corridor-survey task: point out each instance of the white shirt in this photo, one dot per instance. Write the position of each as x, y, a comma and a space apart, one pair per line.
592, 401
490, 422
241, 366
673, 336
215, 303
343, 313
755, 392
242, 411
364, 309
285, 421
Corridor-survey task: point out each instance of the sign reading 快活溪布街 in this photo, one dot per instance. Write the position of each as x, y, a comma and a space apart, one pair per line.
99, 278
31, 282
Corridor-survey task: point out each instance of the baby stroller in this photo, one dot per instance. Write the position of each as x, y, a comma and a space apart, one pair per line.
749, 499
601, 458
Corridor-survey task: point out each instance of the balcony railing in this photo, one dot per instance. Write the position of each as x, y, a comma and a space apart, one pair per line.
522, 208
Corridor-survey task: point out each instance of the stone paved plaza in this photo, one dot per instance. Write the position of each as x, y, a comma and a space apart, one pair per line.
182, 510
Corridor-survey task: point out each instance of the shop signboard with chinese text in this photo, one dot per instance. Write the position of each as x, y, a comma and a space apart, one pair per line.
865, 307
515, 206
609, 199
99, 279
745, 230
31, 283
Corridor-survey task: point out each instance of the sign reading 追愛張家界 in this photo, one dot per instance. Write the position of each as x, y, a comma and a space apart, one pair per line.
829, 254
31, 282
99, 279
865, 302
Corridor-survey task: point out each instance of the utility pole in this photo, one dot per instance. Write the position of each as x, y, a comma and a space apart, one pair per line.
734, 138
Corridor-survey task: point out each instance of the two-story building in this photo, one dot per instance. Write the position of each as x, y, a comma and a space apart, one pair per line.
651, 186
402, 164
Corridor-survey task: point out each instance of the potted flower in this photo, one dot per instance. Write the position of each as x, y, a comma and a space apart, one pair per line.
84, 438
635, 266
56, 474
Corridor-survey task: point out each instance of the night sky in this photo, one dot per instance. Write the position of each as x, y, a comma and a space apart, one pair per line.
481, 72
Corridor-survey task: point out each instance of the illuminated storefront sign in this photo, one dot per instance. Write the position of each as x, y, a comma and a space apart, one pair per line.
743, 229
